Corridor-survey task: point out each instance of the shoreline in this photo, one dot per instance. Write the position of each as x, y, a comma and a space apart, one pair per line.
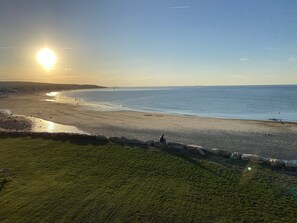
265, 138
88, 106
119, 106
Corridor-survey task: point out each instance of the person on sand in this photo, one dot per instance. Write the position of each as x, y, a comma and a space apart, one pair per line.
162, 139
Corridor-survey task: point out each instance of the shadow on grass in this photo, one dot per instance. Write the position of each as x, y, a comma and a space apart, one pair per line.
239, 165
2, 185
194, 159
62, 137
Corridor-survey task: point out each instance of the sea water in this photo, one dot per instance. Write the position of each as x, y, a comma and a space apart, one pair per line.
237, 102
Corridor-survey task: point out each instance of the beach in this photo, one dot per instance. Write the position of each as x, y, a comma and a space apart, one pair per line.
265, 138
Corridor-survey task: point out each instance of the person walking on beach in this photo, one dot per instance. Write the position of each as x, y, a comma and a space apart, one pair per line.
162, 139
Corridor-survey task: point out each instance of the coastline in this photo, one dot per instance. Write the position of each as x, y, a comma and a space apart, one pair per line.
212, 103
264, 138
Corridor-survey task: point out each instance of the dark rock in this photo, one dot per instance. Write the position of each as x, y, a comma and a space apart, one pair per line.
195, 149
254, 158
235, 155
276, 162
213, 151
116, 140
149, 143
4, 170
129, 142
224, 153
160, 145
174, 145
135, 142
291, 164
101, 138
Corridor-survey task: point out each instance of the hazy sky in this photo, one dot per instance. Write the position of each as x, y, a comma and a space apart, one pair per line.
151, 42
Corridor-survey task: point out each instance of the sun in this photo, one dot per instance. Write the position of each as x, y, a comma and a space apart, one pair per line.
46, 58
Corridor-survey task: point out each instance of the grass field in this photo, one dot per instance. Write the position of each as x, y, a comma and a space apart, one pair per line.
55, 181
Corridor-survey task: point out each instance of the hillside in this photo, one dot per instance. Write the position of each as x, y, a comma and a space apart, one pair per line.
59, 181
15, 87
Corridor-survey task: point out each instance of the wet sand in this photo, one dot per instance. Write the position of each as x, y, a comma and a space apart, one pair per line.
270, 139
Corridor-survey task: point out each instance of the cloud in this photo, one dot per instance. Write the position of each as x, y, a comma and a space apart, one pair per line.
292, 59
67, 69
2, 74
62, 69
32, 48
16, 48
179, 7
237, 76
243, 59
280, 49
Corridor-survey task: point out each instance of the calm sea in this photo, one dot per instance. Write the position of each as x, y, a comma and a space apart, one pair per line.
240, 102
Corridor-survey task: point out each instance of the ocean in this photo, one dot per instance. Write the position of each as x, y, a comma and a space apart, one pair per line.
277, 102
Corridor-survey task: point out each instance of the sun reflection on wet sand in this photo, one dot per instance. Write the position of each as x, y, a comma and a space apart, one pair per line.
52, 94
50, 127
41, 125
50, 100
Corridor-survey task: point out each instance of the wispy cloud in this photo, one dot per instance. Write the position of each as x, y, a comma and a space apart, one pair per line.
31, 48
63, 69
280, 49
243, 59
292, 59
179, 7
67, 69
10, 74
16, 48
270, 61
237, 76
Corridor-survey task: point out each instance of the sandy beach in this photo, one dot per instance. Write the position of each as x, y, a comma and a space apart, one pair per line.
272, 139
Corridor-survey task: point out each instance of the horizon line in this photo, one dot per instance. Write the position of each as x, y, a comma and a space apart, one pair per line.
140, 86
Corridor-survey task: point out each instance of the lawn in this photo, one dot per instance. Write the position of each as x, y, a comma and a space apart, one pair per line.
59, 181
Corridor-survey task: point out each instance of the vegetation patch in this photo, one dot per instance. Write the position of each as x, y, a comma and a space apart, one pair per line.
61, 181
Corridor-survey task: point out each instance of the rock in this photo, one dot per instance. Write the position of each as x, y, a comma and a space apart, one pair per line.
291, 164
150, 142
135, 142
246, 156
116, 140
125, 141
160, 145
276, 162
224, 153
4, 170
219, 152
213, 151
101, 138
195, 149
254, 158
236, 156
174, 145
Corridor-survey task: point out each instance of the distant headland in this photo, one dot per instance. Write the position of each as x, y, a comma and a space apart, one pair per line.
7, 87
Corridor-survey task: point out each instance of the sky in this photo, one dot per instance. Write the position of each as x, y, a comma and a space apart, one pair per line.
151, 42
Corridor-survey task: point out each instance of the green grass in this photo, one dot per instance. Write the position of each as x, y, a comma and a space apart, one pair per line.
54, 181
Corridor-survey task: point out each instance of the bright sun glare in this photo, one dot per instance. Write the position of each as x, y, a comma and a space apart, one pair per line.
46, 58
